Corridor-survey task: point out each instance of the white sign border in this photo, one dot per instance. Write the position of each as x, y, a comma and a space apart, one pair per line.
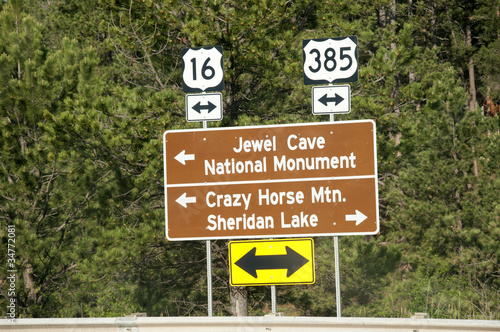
332, 87
201, 95
375, 179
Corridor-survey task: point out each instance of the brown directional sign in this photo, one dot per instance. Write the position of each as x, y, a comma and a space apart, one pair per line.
313, 179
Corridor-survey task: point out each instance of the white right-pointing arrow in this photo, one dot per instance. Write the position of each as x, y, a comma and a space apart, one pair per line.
182, 157
358, 217
184, 200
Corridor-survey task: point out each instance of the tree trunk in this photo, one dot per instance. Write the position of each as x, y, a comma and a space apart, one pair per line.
238, 301
387, 17
472, 83
434, 25
29, 284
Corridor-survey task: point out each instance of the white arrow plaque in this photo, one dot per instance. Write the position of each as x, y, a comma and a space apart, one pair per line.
334, 99
204, 107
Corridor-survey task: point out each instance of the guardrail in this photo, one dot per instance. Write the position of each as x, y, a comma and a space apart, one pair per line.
246, 324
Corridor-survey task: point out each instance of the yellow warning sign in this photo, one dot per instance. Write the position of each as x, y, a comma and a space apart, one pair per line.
271, 262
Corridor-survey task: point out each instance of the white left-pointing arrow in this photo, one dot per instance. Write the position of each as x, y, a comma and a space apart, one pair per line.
184, 200
183, 156
358, 217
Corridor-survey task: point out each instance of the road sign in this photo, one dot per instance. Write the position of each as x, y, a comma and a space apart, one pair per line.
335, 99
271, 181
330, 60
204, 107
202, 69
274, 262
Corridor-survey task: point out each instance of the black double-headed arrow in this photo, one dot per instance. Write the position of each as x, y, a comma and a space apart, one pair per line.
292, 261
325, 99
199, 107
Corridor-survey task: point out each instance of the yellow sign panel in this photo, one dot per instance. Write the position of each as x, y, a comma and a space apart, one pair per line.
271, 262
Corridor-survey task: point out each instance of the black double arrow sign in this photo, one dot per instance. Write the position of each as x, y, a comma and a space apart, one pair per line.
292, 261
199, 107
325, 99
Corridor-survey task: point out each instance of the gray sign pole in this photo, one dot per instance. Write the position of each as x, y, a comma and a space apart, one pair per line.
209, 277
337, 274
191, 82
273, 299
337, 265
209, 266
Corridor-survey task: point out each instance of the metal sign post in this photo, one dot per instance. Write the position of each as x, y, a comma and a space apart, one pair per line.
333, 60
337, 274
337, 260
209, 266
209, 277
273, 299
202, 71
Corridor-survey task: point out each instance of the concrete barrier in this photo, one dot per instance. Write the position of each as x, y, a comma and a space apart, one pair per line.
247, 324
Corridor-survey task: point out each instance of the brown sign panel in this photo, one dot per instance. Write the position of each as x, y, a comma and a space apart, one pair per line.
271, 181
